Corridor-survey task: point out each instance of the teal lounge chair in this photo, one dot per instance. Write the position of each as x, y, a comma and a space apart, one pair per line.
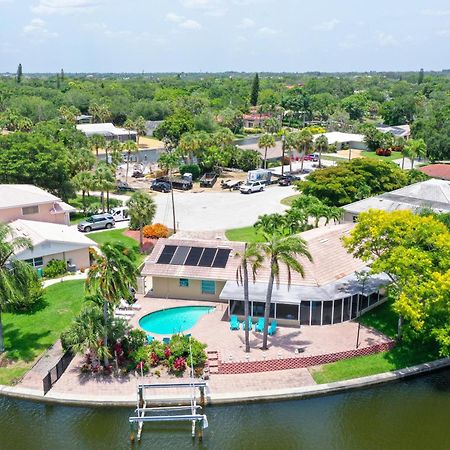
260, 325
250, 324
150, 339
273, 328
234, 323
166, 341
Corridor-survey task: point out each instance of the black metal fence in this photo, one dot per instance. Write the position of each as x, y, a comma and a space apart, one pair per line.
55, 372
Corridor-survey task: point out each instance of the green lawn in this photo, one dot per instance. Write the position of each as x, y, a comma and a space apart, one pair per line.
28, 335
246, 234
117, 235
394, 155
288, 200
384, 319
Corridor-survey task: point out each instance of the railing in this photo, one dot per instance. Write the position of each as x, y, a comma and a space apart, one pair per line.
55, 373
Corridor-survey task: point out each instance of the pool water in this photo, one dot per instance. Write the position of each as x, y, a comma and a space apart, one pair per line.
174, 320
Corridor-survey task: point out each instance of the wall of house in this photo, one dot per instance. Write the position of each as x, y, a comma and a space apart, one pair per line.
44, 215
349, 217
78, 257
170, 288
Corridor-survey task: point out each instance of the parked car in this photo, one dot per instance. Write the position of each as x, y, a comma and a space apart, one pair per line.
287, 180
312, 157
252, 186
160, 185
120, 214
97, 222
123, 186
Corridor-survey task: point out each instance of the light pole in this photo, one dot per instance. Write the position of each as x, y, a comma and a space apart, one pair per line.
362, 278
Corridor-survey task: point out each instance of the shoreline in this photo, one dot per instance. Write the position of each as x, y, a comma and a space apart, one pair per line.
224, 398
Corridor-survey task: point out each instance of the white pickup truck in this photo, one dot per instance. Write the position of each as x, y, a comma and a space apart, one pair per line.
252, 186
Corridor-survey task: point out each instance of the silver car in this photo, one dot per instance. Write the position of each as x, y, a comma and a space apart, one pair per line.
97, 222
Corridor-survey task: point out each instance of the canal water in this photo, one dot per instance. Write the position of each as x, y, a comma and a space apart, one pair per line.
410, 414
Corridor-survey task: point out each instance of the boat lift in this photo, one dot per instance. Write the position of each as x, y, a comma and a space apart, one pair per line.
171, 413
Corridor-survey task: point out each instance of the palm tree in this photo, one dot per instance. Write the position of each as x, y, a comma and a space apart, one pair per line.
250, 256
189, 145
279, 250
272, 125
111, 277
129, 147
142, 210
84, 182
414, 148
104, 181
302, 142
322, 146
16, 277
140, 127
333, 213
113, 149
96, 142
223, 137
266, 141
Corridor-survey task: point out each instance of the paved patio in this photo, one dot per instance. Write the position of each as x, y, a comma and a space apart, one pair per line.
213, 329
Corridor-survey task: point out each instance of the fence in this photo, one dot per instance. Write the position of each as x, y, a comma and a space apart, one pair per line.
54, 374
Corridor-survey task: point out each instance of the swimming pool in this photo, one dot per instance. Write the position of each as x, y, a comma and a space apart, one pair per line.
173, 320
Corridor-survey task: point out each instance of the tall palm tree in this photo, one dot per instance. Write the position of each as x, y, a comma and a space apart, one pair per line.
111, 277
129, 147
84, 182
142, 209
266, 141
250, 256
16, 277
97, 141
415, 148
322, 146
140, 127
281, 250
333, 213
306, 139
113, 150
104, 181
189, 145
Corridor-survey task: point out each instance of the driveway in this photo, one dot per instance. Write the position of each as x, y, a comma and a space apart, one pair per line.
217, 211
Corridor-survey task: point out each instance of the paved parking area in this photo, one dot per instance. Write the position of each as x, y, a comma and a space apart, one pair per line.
211, 211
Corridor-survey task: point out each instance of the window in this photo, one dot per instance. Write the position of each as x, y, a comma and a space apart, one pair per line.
258, 309
355, 219
346, 309
327, 311
35, 262
316, 313
289, 312
373, 298
304, 312
208, 287
184, 282
337, 314
237, 307
26, 210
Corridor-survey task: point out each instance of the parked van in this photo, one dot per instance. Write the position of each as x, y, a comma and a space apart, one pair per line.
262, 175
120, 214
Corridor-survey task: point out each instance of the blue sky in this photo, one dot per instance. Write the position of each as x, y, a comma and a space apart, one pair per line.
219, 35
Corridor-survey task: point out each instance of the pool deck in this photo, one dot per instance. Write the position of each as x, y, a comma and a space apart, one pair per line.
213, 329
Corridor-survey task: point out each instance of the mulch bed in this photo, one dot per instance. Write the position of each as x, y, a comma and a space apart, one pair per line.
148, 243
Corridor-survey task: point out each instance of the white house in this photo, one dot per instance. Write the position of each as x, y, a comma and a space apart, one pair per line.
352, 140
108, 130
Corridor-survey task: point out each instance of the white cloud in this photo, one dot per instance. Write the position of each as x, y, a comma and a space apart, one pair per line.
435, 12
386, 40
266, 31
215, 8
38, 30
191, 24
328, 25
172, 17
65, 6
349, 42
443, 33
247, 23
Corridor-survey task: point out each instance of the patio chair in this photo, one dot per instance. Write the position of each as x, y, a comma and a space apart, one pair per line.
150, 339
273, 328
166, 340
234, 323
260, 325
250, 324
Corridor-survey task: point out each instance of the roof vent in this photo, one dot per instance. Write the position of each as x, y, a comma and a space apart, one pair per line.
322, 241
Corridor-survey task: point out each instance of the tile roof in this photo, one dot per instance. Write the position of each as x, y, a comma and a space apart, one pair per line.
16, 195
437, 171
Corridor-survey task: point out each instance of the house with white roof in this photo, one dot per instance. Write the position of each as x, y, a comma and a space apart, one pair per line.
108, 130
434, 194
352, 140
25, 201
52, 241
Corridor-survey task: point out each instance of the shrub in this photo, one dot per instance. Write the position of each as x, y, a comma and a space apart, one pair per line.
157, 230
191, 168
55, 268
142, 354
383, 152
134, 340
179, 364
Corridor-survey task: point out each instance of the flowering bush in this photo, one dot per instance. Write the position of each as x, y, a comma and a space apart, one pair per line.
157, 230
383, 152
167, 352
154, 359
179, 364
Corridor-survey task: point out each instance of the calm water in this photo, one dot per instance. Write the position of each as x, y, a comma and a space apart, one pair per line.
413, 414
174, 320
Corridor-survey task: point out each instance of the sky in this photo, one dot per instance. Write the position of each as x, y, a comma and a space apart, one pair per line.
224, 35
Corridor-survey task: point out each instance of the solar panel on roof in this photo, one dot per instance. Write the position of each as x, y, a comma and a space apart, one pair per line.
194, 256
221, 258
207, 257
166, 254
180, 255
